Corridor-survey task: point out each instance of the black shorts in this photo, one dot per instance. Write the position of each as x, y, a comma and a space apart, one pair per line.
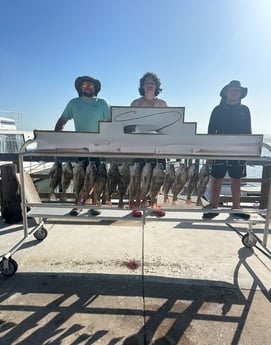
235, 169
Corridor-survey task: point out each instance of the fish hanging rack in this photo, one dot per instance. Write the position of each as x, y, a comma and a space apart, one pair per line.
47, 146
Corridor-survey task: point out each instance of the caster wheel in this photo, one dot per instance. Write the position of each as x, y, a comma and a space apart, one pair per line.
8, 267
249, 242
41, 234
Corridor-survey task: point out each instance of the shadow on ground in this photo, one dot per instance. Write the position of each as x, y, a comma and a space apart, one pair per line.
63, 308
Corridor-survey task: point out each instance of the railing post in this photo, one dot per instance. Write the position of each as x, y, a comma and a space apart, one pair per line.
266, 175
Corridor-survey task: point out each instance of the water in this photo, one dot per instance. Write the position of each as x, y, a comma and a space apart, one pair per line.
256, 171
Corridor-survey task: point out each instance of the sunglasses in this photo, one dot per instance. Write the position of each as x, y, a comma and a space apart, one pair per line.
87, 84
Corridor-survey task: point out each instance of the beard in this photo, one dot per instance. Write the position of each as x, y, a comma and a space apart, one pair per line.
88, 93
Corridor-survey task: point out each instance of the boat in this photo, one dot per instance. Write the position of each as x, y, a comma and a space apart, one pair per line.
12, 138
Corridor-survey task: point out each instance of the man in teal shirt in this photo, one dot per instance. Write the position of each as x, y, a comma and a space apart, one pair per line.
87, 110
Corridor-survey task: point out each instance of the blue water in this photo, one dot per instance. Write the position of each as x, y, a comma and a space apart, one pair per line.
256, 171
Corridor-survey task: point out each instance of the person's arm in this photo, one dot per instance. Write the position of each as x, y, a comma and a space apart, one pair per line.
247, 128
106, 111
162, 103
61, 123
212, 123
135, 103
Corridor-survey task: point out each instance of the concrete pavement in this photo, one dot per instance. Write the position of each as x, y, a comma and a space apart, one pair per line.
118, 282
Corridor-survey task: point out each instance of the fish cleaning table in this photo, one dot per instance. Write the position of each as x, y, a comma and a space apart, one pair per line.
123, 138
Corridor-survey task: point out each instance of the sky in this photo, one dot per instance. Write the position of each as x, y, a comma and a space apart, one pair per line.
194, 46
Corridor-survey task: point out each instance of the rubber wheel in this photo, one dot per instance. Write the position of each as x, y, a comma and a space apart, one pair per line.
249, 242
41, 234
8, 267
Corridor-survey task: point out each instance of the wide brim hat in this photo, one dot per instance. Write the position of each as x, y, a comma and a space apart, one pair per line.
233, 84
78, 83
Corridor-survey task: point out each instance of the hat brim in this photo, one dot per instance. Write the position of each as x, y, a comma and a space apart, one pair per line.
225, 89
78, 82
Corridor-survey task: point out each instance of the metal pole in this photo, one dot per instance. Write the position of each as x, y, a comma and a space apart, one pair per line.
268, 214
22, 186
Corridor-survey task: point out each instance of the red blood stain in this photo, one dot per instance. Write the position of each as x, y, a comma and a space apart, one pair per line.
132, 264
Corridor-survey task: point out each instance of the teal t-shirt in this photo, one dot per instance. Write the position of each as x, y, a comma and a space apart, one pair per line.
86, 113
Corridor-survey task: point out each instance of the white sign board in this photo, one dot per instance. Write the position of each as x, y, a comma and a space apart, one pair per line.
160, 132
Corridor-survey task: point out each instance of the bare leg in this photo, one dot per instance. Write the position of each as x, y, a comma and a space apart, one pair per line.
235, 190
215, 194
138, 200
215, 191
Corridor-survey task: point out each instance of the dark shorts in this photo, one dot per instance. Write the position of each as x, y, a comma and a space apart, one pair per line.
235, 169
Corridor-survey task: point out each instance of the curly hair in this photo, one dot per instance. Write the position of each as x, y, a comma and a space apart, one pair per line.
155, 78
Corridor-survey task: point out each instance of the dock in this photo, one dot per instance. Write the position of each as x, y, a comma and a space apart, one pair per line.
118, 282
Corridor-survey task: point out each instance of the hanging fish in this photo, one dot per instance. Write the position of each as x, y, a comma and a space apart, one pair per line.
134, 185
113, 180
55, 174
66, 178
204, 176
102, 190
168, 181
90, 183
179, 182
78, 181
193, 176
145, 182
157, 181
123, 183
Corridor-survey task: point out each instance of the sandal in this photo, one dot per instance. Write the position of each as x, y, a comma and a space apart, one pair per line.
94, 212
75, 211
209, 215
158, 213
244, 216
137, 213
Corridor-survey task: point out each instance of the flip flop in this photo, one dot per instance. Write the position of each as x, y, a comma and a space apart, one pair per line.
94, 212
158, 213
75, 211
137, 213
244, 216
